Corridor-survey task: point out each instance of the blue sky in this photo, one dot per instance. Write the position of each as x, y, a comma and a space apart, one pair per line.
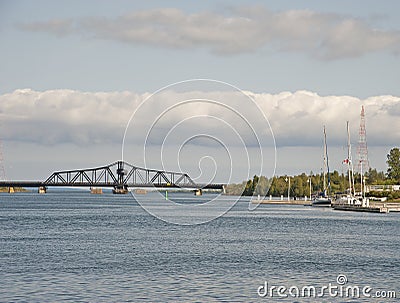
40, 60
347, 49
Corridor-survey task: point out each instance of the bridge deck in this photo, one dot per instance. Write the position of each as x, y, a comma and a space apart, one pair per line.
112, 185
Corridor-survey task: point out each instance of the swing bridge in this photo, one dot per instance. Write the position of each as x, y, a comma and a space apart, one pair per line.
120, 176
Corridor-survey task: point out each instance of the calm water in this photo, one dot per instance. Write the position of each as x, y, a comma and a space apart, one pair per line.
79, 247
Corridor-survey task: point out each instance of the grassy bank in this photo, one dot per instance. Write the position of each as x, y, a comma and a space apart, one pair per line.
16, 189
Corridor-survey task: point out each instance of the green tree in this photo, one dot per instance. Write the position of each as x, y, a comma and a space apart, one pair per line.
278, 186
393, 162
375, 177
256, 179
336, 182
299, 185
248, 190
251, 186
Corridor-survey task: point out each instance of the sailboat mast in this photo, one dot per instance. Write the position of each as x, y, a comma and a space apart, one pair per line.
361, 175
348, 155
325, 160
350, 161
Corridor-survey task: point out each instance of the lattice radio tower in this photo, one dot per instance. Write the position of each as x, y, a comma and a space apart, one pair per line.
362, 150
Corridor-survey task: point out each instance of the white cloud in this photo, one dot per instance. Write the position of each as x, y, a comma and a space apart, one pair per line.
64, 116
58, 27
244, 29
68, 116
86, 128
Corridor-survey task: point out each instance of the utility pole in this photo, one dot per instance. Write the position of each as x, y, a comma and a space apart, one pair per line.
287, 179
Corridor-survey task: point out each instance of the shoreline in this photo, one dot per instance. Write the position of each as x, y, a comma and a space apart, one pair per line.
16, 190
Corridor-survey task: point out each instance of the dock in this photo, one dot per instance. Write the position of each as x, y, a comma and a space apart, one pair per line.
282, 202
374, 207
360, 208
390, 206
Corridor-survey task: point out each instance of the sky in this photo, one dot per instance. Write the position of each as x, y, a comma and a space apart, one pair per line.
74, 73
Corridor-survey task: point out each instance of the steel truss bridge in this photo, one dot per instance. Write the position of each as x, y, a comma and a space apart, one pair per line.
119, 175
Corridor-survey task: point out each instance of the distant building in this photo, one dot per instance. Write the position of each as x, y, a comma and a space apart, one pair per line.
369, 188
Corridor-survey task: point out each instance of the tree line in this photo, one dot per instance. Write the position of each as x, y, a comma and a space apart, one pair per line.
300, 184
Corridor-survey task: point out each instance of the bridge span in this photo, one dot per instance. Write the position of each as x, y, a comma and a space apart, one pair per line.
119, 175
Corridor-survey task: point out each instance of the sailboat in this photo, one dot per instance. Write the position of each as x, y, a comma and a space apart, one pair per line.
350, 198
323, 199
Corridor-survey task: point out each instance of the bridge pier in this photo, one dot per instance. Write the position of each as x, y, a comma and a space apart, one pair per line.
120, 190
198, 192
96, 190
42, 189
11, 190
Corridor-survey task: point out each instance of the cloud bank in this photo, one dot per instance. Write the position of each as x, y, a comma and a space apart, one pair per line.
325, 36
66, 116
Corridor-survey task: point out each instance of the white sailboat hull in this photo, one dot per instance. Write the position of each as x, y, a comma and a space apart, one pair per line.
322, 201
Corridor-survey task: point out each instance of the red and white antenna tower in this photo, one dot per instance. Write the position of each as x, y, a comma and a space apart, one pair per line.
362, 150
